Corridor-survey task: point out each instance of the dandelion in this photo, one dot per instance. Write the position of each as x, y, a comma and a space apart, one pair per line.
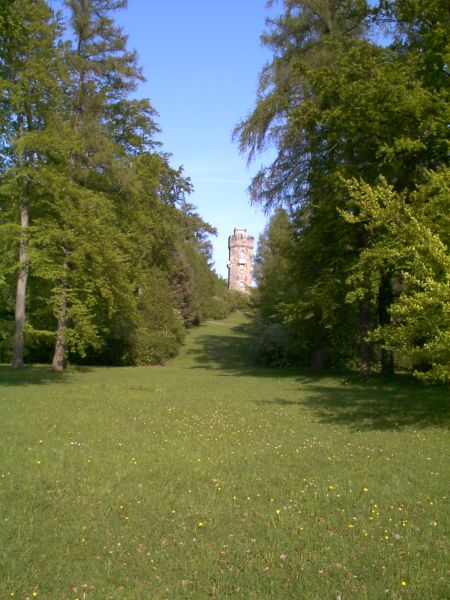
404, 584
201, 524
365, 490
278, 510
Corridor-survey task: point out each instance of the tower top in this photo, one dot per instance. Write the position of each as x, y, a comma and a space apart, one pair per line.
240, 231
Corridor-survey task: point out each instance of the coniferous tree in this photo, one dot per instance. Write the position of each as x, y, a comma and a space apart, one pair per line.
308, 41
340, 108
102, 73
117, 263
31, 77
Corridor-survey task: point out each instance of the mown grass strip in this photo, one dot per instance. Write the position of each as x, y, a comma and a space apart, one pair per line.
210, 478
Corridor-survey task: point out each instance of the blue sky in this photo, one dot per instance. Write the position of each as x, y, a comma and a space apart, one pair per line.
201, 59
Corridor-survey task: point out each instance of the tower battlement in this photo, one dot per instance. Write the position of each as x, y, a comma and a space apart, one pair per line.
240, 265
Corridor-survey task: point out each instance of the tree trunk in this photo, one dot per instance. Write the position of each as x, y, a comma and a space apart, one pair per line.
18, 362
364, 347
21, 289
387, 362
59, 361
318, 359
385, 298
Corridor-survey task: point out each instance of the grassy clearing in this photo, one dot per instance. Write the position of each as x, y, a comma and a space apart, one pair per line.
211, 479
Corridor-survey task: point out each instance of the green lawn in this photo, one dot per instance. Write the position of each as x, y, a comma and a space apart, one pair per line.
210, 479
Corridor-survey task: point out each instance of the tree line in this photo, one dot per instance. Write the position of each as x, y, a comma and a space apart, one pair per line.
353, 268
102, 257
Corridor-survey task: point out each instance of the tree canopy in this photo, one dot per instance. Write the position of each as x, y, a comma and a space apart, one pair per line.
102, 258
355, 103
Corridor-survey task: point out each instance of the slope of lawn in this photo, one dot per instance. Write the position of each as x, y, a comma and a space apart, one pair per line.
209, 478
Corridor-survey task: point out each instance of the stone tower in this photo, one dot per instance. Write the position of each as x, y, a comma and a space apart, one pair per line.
240, 265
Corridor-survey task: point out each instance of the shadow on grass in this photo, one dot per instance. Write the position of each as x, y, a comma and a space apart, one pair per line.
340, 398
36, 375
375, 404
226, 352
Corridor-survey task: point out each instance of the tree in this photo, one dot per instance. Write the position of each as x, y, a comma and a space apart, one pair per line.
405, 241
309, 42
273, 264
102, 72
339, 107
306, 38
31, 75
106, 228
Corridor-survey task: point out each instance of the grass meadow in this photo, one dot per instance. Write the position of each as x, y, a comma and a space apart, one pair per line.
211, 479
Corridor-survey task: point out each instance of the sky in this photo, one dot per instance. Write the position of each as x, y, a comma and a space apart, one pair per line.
201, 60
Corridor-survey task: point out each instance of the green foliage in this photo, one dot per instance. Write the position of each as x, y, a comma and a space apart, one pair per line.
159, 330
405, 242
274, 332
272, 265
338, 107
236, 301
92, 216
273, 344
